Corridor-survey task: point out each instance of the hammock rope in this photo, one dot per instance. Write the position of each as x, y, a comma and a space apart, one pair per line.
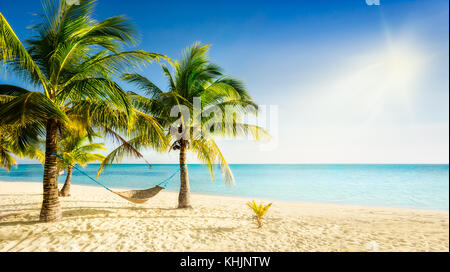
135, 196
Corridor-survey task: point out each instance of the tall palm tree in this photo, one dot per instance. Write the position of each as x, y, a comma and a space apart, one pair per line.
194, 76
77, 149
70, 61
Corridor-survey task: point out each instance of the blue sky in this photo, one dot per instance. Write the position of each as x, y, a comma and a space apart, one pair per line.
353, 83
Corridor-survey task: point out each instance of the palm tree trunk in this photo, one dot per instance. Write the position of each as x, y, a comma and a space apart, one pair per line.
65, 191
184, 197
51, 209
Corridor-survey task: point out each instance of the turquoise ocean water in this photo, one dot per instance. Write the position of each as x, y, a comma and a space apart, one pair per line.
409, 186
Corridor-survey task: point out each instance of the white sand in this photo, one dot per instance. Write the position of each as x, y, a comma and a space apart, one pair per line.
96, 220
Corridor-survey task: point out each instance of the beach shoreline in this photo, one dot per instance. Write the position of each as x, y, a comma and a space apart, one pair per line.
247, 198
96, 220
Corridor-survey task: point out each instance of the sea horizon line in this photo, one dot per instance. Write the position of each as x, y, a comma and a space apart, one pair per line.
443, 164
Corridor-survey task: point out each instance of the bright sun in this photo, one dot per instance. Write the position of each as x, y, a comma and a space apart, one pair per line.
385, 79
402, 65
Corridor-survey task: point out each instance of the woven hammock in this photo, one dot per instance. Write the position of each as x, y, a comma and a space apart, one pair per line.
135, 196
139, 196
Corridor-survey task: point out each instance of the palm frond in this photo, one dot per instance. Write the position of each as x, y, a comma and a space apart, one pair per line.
96, 89
12, 90
112, 64
12, 52
99, 114
30, 108
6, 159
142, 83
125, 149
208, 152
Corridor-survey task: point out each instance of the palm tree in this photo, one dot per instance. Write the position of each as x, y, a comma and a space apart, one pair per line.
194, 76
70, 61
75, 149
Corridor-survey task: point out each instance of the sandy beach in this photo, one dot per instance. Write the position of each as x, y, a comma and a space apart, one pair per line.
96, 220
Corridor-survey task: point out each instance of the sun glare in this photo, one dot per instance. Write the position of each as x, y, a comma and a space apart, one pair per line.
378, 82
402, 66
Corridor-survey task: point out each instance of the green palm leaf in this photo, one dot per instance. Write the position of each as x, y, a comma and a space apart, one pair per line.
12, 52
30, 108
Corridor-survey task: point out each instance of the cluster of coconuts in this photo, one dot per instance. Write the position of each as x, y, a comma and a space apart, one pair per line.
176, 146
